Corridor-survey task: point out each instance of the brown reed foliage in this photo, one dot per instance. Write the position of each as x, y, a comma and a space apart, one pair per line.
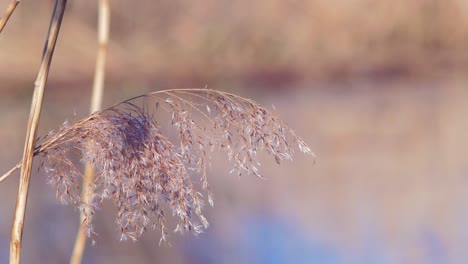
144, 173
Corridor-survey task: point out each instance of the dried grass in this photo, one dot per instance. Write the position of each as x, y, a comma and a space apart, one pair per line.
144, 172
8, 12
96, 105
33, 123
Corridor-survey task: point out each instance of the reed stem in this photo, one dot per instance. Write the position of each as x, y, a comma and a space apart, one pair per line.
34, 116
8, 12
96, 105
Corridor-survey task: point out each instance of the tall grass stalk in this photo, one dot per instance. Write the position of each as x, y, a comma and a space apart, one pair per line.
96, 104
10, 9
33, 122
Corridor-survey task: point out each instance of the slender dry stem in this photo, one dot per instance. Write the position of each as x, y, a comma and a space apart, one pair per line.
8, 12
96, 105
10, 172
29, 147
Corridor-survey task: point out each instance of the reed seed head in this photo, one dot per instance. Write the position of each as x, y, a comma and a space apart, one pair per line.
144, 172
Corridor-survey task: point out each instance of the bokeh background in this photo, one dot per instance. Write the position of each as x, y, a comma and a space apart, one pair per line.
377, 88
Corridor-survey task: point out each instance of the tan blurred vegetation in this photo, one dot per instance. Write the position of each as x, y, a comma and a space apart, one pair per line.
275, 41
392, 152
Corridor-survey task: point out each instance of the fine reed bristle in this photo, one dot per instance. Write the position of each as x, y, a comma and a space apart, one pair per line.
144, 173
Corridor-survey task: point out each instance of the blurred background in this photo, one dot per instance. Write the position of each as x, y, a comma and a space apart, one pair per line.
378, 89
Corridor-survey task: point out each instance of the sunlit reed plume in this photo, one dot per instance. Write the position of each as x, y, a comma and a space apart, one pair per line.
144, 172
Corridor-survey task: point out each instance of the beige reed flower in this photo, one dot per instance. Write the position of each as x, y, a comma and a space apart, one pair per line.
144, 172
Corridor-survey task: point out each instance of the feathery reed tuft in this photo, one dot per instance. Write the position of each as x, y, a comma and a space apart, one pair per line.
144, 173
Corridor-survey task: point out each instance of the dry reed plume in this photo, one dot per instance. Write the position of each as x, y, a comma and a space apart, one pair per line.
144, 173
